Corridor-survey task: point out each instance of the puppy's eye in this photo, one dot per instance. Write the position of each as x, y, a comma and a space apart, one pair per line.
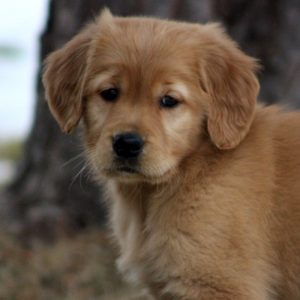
168, 102
110, 94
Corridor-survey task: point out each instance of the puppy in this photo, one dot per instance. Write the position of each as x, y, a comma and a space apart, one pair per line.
203, 184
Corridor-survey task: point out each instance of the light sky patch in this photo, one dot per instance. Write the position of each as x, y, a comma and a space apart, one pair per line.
21, 23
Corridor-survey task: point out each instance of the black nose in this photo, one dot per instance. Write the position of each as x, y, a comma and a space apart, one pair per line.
128, 144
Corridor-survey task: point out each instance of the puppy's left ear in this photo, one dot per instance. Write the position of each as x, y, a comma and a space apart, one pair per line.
228, 77
64, 75
63, 80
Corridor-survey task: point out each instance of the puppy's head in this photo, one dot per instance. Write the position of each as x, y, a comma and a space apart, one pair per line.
144, 87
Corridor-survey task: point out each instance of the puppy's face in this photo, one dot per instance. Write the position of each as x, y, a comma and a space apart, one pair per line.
144, 88
144, 104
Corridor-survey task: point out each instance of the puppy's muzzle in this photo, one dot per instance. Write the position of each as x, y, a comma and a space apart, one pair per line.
128, 145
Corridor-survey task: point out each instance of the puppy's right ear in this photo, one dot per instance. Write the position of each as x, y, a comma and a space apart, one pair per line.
63, 79
228, 77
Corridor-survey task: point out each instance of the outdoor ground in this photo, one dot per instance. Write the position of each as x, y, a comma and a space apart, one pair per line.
74, 268
77, 268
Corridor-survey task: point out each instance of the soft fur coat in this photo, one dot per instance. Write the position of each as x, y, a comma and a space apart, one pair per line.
210, 209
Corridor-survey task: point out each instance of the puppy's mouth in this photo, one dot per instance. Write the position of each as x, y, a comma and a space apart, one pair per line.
123, 168
126, 169
135, 174
132, 171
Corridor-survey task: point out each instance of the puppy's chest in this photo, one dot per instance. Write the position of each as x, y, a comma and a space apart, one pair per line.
146, 227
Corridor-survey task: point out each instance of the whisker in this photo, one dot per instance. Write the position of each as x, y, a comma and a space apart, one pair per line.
77, 175
80, 155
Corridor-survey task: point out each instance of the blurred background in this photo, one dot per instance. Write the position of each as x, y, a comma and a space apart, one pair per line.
53, 239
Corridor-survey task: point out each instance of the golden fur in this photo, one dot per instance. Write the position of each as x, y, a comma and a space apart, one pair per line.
213, 209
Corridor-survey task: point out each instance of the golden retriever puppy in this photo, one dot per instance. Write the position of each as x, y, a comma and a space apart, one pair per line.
203, 185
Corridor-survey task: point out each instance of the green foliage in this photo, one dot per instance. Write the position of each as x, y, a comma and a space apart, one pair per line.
11, 150
10, 51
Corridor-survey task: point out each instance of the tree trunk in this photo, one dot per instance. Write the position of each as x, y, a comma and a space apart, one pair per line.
53, 192
50, 194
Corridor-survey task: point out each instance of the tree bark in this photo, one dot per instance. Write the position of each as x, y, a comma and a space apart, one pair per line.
50, 194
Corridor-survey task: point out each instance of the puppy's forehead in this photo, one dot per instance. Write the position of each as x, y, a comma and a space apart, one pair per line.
143, 42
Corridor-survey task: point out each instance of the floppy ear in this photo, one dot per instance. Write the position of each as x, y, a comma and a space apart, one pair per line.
63, 80
228, 76
64, 75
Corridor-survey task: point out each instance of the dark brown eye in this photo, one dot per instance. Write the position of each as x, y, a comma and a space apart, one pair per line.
168, 102
110, 94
